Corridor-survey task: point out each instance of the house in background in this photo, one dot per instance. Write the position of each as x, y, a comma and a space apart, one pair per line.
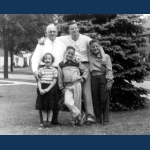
20, 60
146, 49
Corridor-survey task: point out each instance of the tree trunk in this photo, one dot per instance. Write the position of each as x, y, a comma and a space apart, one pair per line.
5, 51
12, 60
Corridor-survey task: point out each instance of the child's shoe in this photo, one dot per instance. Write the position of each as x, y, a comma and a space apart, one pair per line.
79, 120
105, 123
73, 123
42, 127
49, 124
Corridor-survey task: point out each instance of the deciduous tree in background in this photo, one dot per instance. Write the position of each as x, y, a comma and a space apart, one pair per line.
21, 32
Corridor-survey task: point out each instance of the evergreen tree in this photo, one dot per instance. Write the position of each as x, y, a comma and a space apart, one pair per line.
119, 36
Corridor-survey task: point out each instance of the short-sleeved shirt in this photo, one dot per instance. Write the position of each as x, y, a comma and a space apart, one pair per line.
48, 74
81, 45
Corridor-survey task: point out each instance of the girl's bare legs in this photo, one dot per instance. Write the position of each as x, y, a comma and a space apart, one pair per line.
45, 115
49, 117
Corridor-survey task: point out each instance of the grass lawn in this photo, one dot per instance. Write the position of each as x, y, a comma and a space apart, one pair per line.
18, 117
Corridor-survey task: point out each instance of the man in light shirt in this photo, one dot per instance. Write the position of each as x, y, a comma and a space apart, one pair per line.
81, 44
57, 48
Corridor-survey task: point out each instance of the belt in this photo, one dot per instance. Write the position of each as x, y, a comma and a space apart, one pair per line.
71, 83
96, 73
84, 62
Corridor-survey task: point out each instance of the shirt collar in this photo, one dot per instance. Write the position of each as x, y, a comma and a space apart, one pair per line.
48, 67
73, 60
72, 39
97, 56
52, 42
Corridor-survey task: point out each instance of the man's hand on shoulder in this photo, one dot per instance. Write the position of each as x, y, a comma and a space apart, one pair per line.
41, 41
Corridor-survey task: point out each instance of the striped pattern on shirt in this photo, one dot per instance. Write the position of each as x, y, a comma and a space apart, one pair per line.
48, 74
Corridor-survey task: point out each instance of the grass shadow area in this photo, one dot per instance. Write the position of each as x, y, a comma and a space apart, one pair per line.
5, 83
21, 70
19, 117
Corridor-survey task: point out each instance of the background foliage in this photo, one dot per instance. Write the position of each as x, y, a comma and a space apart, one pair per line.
119, 36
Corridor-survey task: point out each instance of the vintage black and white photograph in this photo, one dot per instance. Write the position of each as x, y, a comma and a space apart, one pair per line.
74, 74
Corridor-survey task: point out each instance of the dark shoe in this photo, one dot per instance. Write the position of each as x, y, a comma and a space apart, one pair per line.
89, 123
105, 123
56, 123
98, 121
83, 117
73, 123
45, 123
90, 120
49, 124
78, 121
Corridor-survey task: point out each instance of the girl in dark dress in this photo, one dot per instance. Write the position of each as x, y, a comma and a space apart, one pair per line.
46, 90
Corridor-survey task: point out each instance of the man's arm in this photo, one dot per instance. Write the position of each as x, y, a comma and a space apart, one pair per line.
63, 39
60, 78
36, 60
103, 55
84, 71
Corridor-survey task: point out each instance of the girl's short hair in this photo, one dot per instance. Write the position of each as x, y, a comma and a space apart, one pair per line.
70, 47
53, 58
93, 41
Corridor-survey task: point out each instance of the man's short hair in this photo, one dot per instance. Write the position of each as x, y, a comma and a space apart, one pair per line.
50, 25
71, 22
